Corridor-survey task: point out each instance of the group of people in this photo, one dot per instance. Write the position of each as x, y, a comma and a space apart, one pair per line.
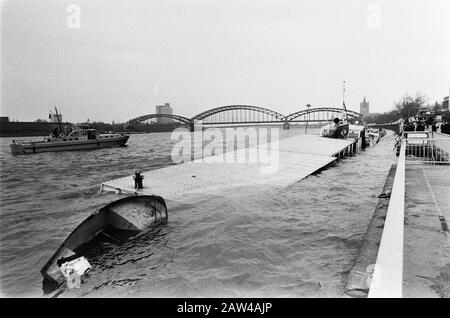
421, 126
56, 133
445, 128
414, 126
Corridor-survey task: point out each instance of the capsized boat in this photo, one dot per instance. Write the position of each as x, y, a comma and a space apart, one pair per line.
116, 222
77, 137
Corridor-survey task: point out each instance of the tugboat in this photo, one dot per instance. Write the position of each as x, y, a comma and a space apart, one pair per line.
77, 137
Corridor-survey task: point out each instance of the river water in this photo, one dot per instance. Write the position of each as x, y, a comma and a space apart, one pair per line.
297, 241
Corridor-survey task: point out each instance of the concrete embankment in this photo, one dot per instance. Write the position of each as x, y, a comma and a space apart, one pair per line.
426, 269
359, 277
426, 251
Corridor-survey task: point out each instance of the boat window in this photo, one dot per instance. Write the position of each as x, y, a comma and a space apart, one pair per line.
91, 134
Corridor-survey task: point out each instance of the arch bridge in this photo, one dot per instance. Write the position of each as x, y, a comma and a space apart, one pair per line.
248, 114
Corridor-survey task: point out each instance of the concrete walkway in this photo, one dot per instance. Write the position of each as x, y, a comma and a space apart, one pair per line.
426, 270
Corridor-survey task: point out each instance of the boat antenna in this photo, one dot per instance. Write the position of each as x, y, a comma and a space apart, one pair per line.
57, 118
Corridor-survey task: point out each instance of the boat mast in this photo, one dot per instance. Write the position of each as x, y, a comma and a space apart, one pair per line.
57, 118
343, 102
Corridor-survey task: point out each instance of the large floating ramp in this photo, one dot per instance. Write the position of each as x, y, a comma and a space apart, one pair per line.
285, 163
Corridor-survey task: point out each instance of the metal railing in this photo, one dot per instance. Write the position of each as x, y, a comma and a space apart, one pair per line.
387, 278
426, 147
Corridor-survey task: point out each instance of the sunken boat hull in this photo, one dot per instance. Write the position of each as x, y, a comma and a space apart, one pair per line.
117, 221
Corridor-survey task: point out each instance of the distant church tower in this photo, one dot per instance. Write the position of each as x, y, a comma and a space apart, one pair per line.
364, 107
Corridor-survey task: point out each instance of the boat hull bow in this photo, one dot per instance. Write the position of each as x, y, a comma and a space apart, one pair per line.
118, 221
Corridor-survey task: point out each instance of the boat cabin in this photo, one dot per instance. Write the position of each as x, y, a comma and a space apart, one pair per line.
356, 131
72, 133
80, 132
83, 134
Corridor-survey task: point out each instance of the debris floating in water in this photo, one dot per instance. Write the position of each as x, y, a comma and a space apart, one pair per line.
73, 270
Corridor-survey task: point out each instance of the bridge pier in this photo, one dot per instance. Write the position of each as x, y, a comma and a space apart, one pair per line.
285, 125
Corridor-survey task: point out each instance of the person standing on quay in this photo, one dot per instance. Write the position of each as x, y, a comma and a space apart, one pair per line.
434, 127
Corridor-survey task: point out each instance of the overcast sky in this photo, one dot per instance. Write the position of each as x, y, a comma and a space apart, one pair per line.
128, 56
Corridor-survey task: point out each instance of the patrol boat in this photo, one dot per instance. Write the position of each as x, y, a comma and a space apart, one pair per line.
79, 137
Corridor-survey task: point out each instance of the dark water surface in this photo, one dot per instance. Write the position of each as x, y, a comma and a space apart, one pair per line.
298, 241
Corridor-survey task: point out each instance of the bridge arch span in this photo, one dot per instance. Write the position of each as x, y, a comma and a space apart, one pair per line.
270, 114
179, 118
320, 114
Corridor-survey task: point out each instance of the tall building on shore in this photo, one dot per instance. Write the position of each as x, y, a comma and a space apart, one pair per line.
164, 109
445, 102
364, 107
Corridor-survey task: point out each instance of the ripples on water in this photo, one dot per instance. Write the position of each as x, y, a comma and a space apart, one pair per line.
297, 241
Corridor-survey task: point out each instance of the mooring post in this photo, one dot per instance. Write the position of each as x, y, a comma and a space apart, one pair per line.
138, 180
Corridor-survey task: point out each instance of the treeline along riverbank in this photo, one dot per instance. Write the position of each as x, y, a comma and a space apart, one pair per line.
24, 129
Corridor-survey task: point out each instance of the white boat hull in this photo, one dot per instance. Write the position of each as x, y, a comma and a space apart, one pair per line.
49, 146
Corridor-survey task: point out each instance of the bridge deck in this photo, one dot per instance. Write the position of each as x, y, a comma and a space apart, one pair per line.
298, 157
